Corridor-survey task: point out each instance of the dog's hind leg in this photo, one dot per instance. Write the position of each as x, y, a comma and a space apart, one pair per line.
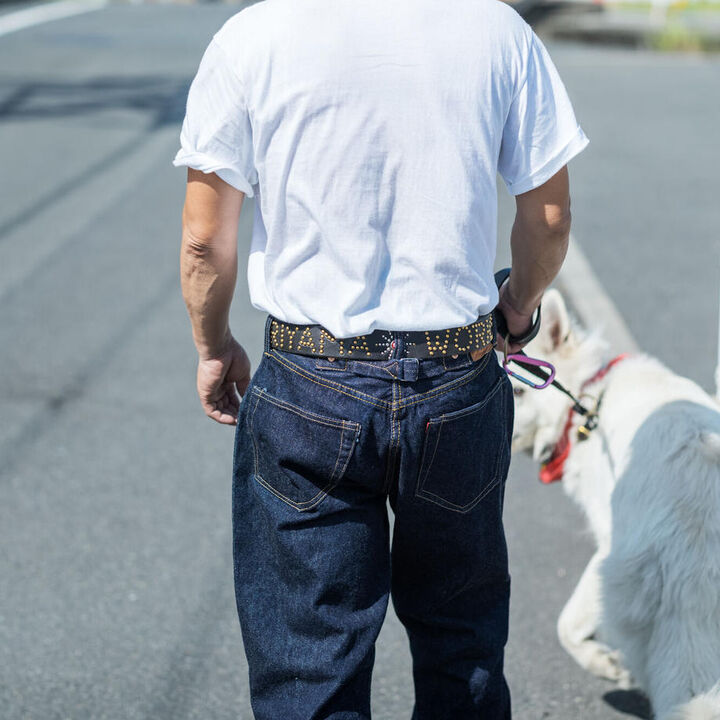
579, 624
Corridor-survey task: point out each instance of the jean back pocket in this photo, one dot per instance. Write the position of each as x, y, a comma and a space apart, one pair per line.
466, 452
300, 456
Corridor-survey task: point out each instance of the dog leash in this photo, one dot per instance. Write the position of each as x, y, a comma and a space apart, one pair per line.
553, 469
538, 367
534, 366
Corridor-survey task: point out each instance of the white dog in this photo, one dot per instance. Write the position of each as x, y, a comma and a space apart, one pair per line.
648, 479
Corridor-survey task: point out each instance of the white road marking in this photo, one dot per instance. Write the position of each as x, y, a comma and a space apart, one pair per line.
28, 17
594, 306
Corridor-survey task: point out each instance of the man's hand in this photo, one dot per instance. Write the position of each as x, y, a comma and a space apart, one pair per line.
518, 323
220, 379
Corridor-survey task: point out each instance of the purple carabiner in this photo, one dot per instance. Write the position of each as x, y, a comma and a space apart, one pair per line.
522, 359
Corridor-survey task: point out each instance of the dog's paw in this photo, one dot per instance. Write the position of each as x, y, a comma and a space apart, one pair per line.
605, 663
626, 681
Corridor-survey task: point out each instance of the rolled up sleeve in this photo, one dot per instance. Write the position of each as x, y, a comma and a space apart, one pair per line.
541, 133
216, 134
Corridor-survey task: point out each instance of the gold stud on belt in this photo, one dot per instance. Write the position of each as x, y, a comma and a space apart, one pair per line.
379, 344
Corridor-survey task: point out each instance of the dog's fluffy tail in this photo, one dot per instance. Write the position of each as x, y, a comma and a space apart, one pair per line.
702, 707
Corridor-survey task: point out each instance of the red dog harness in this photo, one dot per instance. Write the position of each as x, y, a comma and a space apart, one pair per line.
554, 468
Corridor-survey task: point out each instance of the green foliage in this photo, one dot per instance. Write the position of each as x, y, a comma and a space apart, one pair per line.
675, 8
677, 37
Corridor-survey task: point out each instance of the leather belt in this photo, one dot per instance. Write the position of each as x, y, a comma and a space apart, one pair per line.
380, 344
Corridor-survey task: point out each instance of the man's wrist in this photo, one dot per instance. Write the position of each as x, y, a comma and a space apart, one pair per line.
520, 305
208, 350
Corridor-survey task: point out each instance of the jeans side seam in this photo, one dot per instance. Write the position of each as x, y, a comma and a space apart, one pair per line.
251, 417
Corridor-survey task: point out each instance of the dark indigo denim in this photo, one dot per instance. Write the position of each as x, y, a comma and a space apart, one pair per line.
320, 446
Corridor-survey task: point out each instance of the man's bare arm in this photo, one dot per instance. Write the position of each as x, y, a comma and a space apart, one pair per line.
208, 269
539, 243
208, 258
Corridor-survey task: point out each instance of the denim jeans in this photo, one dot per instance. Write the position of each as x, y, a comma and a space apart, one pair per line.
320, 447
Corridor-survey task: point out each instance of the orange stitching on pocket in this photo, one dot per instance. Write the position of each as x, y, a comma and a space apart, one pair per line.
462, 510
455, 414
340, 449
314, 500
422, 476
336, 474
352, 451
426, 466
251, 417
321, 419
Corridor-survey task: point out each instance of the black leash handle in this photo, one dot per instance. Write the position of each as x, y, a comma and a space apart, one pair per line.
500, 277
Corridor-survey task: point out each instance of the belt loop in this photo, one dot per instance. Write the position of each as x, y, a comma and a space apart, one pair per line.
408, 368
268, 323
397, 346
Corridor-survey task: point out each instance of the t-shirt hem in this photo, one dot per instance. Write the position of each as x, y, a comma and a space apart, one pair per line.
575, 145
208, 164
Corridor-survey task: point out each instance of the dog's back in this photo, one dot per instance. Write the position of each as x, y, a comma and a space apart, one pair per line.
661, 579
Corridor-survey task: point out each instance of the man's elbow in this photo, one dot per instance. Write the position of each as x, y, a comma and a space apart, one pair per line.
206, 240
558, 226
552, 226
196, 247
199, 232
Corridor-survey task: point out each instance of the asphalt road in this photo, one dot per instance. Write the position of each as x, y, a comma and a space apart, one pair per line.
115, 578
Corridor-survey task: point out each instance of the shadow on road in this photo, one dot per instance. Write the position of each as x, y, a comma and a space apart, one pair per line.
630, 702
162, 98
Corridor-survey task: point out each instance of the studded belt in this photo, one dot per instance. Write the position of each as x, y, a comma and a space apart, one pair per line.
381, 344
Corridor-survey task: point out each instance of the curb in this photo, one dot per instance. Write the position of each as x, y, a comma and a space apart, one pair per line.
591, 303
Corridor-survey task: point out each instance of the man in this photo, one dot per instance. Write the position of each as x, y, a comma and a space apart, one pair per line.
370, 134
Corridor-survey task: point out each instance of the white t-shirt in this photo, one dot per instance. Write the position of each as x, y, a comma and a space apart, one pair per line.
371, 134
